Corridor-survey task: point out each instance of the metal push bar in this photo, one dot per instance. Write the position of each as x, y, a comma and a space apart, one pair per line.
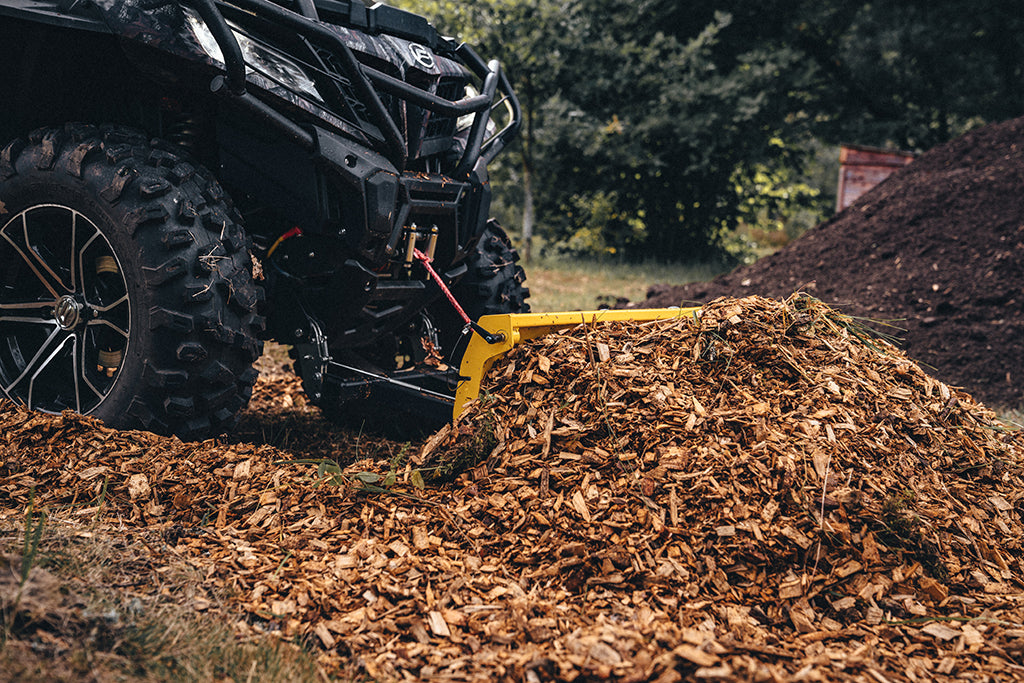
514, 328
309, 27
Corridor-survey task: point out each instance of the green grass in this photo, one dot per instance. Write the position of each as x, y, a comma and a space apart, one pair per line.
92, 606
575, 285
1014, 418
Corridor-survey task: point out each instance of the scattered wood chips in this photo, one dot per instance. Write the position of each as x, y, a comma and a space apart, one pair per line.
762, 493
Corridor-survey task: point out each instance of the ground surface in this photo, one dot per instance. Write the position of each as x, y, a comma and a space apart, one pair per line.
758, 494
938, 249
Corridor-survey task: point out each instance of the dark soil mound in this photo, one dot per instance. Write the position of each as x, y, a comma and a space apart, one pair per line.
937, 249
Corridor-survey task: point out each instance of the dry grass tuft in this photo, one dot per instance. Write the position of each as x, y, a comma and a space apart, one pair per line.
95, 605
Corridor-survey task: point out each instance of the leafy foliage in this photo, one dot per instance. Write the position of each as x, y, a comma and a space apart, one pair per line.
655, 129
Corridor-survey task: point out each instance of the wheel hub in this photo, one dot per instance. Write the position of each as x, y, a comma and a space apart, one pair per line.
65, 315
67, 312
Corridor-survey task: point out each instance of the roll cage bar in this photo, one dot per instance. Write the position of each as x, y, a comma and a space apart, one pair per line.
363, 78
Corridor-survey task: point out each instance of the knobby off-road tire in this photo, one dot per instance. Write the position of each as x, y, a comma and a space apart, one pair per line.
126, 287
494, 284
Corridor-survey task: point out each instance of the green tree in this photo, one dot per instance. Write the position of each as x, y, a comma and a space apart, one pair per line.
912, 73
651, 125
665, 124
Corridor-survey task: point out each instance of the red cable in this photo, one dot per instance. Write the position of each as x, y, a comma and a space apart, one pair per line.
489, 337
288, 235
440, 283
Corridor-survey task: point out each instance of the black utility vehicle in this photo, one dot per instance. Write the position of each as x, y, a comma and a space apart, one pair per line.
182, 180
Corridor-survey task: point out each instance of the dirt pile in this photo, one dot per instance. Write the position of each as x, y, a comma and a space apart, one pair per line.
751, 495
937, 248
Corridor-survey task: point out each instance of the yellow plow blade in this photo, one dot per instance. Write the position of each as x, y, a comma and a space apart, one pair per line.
513, 328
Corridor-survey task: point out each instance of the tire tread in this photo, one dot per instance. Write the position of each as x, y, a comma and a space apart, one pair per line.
198, 327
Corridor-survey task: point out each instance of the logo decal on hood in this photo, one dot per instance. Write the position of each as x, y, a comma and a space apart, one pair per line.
422, 56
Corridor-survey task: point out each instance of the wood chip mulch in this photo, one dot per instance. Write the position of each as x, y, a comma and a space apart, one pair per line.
763, 493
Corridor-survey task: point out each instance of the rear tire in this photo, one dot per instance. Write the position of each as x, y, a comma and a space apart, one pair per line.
126, 287
493, 284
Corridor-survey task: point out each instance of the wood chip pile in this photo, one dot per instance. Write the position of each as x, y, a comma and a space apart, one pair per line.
758, 494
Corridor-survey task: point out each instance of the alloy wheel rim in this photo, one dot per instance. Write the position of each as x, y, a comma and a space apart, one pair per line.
65, 315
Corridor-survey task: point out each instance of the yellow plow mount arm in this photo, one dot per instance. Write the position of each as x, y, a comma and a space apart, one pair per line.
513, 328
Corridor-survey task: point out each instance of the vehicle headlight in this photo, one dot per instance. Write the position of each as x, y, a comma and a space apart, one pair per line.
260, 59
466, 120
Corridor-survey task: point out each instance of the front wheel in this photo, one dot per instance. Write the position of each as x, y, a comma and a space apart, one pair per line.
493, 283
125, 284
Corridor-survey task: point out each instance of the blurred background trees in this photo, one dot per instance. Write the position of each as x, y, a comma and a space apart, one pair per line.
699, 131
